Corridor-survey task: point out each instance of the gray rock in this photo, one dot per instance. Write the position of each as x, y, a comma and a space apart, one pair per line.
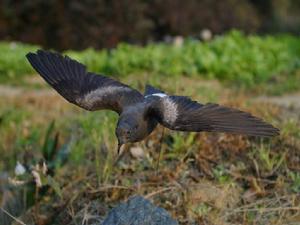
138, 211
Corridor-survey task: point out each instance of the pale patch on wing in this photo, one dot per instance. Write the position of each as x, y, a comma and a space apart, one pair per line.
170, 111
168, 107
161, 95
100, 95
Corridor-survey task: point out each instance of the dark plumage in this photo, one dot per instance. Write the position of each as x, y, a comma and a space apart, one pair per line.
140, 114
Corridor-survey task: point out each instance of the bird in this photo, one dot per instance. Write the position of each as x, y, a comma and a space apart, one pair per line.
139, 114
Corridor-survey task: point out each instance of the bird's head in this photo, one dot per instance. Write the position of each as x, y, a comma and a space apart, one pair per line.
126, 131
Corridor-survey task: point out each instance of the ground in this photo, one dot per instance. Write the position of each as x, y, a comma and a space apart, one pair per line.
201, 179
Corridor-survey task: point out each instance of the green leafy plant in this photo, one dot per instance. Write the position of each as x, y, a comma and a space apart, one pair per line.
221, 174
267, 161
233, 57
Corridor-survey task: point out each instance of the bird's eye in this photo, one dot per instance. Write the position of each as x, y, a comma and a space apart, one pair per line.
128, 132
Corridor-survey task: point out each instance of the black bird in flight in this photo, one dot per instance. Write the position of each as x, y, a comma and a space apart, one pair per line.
140, 114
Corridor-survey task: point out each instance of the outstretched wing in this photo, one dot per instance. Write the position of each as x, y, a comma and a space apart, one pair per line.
87, 90
183, 114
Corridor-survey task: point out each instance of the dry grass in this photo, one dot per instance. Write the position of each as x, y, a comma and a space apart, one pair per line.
203, 178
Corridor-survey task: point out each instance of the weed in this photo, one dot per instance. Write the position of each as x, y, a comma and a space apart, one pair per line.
220, 173
202, 209
267, 160
295, 177
182, 144
291, 128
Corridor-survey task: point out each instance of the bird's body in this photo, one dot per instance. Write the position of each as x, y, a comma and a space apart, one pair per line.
135, 124
140, 113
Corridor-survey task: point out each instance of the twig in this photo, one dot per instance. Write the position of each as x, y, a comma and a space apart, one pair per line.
120, 156
158, 192
36, 206
11, 216
268, 201
265, 210
160, 147
101, 189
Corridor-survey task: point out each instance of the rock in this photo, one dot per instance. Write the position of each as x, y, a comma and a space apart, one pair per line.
138, 211
11, 200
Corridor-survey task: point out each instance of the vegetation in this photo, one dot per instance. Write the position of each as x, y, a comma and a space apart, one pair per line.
12, 61
202, 178
212, 177
248, 61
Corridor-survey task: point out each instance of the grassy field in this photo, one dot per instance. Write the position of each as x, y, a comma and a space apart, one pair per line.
202, 178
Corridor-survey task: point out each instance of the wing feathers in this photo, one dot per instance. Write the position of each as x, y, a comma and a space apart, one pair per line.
70, 79
193, 116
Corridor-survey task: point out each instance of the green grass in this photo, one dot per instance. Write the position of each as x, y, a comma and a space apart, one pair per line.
246, 61
13, 64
